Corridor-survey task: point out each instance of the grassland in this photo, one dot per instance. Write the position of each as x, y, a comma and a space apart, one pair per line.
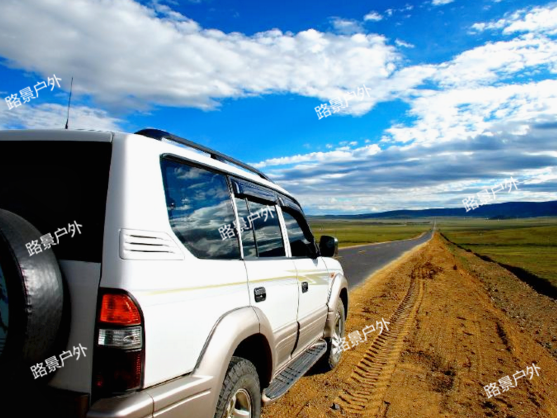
529, 244
357, 232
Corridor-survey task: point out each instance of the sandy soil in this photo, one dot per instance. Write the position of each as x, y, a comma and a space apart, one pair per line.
457, 324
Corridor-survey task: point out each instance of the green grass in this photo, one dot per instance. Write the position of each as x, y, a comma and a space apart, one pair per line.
530, 244
358, 232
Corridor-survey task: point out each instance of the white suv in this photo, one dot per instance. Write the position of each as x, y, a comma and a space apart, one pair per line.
143, 275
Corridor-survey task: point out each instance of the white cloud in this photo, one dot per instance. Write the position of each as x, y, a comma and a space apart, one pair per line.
496, 61
441, 2
459, 114
340, 154
402, 44
534, 20
539, 19
126, 55
406, 8
346, 26
373, 16
53, 116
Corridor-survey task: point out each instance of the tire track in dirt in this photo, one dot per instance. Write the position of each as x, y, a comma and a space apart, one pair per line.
370, 379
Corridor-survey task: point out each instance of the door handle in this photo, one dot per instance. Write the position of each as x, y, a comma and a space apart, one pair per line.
260, 294
305, 287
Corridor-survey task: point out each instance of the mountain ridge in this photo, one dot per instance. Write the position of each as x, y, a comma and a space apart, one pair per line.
508, 210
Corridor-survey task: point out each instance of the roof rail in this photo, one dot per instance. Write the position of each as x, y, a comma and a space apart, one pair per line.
159, 135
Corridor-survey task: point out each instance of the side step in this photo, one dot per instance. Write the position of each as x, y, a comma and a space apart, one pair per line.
286, 379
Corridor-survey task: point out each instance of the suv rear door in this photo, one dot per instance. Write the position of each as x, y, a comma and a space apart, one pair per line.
58, 181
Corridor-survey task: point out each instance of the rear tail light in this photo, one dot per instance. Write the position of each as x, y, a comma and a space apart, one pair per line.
120, 350
119, 309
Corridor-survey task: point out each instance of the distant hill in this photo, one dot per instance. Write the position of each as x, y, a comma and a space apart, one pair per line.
508, 210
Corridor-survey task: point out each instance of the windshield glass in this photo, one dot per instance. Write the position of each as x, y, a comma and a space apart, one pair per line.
60, 187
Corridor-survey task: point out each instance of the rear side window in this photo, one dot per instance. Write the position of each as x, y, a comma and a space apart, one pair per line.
200, 210
268, 236
61, 188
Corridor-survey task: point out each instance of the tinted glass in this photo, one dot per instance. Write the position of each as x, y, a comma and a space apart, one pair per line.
246, 230
300, 242
200, 210
53, 184
264, 220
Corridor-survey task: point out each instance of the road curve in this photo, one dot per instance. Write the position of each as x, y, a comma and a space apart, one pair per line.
360, 262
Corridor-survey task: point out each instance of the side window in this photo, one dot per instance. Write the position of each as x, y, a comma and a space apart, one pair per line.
246, 229
299, 237
264, 220
200, 210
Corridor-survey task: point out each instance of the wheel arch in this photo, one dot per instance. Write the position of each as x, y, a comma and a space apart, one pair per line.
243, 333
256, 349
339, 292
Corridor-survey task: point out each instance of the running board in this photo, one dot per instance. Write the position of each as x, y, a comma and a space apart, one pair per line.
299, 367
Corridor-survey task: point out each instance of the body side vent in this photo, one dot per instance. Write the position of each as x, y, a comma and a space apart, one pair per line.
148, 245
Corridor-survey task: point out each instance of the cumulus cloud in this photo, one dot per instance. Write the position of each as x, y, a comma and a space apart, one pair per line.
460, 114
127, 55
499, 61
373, 16
533, 20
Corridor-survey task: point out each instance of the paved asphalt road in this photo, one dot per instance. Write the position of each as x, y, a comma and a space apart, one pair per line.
360, 262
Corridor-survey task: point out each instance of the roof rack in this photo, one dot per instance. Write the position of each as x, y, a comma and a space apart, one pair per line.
159, 135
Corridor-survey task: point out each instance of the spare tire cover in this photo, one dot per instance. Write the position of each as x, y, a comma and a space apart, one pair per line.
31, 296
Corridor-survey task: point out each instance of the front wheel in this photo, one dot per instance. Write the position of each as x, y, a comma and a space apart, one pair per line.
334, 350
240, 396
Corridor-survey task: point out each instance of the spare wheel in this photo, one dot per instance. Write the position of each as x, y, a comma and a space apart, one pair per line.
31, 297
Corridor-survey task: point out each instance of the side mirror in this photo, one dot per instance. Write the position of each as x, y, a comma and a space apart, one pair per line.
328, 246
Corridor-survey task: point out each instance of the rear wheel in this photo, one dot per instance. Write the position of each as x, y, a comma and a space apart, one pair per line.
240, 396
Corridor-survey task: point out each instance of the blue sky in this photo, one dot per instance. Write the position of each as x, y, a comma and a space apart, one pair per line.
461, 94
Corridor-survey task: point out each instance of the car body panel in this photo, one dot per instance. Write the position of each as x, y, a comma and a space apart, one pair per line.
278, 277
312, 307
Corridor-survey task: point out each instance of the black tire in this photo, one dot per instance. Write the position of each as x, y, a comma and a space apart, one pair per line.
240, 376
329, 360
35, 298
